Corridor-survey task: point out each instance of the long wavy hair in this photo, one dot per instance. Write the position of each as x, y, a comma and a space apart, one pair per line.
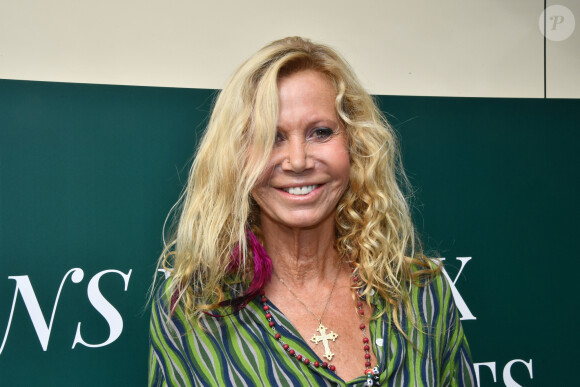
210, 243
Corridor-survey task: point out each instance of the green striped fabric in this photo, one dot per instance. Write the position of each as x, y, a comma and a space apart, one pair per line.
241, 350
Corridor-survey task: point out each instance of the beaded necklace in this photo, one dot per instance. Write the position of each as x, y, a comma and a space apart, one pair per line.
371, 374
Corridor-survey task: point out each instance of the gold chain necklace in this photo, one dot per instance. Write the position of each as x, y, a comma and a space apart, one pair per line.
324, 337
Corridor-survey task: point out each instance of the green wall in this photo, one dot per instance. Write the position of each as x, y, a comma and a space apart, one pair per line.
89, 172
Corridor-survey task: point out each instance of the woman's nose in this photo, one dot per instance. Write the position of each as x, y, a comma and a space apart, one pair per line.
297, 158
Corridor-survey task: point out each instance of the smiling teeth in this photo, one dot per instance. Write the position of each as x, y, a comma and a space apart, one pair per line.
300, 190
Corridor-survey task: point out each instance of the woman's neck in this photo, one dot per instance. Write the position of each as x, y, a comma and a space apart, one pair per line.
300, 256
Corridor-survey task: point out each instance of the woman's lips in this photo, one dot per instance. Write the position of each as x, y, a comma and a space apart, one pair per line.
301, 190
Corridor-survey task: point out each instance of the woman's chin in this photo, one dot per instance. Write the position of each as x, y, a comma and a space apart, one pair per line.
304, 221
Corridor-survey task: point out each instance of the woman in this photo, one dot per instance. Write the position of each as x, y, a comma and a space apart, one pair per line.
294, 260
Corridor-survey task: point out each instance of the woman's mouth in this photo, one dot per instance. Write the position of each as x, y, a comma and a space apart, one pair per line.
304, 190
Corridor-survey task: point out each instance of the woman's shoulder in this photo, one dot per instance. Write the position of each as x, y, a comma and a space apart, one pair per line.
424, 271
168, 295
429, 285
164, 294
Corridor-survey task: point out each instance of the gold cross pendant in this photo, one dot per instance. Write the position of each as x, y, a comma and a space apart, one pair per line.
324, 337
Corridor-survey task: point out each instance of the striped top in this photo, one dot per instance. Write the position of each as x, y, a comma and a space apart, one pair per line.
241, 350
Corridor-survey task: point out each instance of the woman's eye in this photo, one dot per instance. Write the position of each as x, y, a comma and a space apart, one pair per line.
323, 133
279, 137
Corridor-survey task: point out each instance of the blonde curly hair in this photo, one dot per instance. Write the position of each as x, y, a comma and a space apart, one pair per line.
373, 222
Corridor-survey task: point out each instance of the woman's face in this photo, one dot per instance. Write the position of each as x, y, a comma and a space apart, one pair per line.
309, 167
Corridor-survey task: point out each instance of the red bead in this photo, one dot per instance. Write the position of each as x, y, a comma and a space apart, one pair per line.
367, 364
361, 312
264, 299
367, 356
299, 357
332, 368
306, 361
271, 324
359, 303
316, 364
366, 347
291, 352
368, 371
277, 336
262, 292
268, 315
286, 346
355, 279
362, 326
266, 307
365, 340
324, 365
